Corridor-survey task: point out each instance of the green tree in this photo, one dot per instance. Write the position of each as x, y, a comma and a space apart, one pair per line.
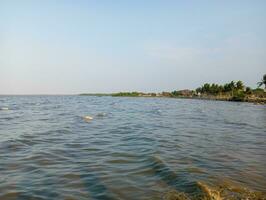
248, 90
263, 81
199, 90
226, 87
239, 85
206, 88
214, 88
176, 93
238, 96
220, 89
232, 85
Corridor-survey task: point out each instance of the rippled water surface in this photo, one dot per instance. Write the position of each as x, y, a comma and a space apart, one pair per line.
133, 148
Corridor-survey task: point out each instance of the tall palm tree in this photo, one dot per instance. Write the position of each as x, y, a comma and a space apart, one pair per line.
239, 85
263, 81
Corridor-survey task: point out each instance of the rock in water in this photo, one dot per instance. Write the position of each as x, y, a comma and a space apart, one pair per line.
209, 192
87, 118
101, 114
174, 195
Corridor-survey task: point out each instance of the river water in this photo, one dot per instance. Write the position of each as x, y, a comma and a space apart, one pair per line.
133, 148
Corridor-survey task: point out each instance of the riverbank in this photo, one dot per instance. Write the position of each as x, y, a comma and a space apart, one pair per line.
232, 91
247, 98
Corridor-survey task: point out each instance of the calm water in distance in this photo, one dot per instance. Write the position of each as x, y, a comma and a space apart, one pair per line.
134, 148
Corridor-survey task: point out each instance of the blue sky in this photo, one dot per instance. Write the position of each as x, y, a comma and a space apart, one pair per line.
70, 47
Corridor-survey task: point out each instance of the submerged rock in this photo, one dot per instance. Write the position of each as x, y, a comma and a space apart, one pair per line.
174, 195
101, 115
216, 192
209, 192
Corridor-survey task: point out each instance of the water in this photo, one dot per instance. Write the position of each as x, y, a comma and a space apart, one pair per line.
133, 148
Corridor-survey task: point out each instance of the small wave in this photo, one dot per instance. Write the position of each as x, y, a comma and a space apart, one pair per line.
95, 187
91, 149
120, 161
7, 118
239, 124
195, 170
11, 145
163, 171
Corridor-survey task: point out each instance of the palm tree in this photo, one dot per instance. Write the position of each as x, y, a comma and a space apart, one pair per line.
232, 85
239, 85
263, 81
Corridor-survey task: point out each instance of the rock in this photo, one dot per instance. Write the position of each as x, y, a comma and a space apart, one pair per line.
174, 195
87, 118
209, 192
101, 115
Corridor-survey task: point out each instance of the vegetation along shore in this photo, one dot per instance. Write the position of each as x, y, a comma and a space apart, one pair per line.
232, 91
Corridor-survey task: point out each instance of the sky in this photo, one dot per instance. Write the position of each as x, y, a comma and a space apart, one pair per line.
92, 46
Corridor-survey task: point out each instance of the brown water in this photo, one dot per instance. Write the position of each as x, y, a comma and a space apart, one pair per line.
133, 148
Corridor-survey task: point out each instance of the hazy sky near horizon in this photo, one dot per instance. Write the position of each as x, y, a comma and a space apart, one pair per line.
70, 47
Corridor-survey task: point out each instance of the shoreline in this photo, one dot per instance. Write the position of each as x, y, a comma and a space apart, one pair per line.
255, 100
247, 100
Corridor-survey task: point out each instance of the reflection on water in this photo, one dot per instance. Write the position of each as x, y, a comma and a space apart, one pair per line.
131, 148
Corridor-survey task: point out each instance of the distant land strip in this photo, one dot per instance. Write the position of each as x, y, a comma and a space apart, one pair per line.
232, 91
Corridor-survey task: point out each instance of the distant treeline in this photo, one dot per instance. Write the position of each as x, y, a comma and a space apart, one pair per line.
234, 91
216, 89
95, 94
127, 94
